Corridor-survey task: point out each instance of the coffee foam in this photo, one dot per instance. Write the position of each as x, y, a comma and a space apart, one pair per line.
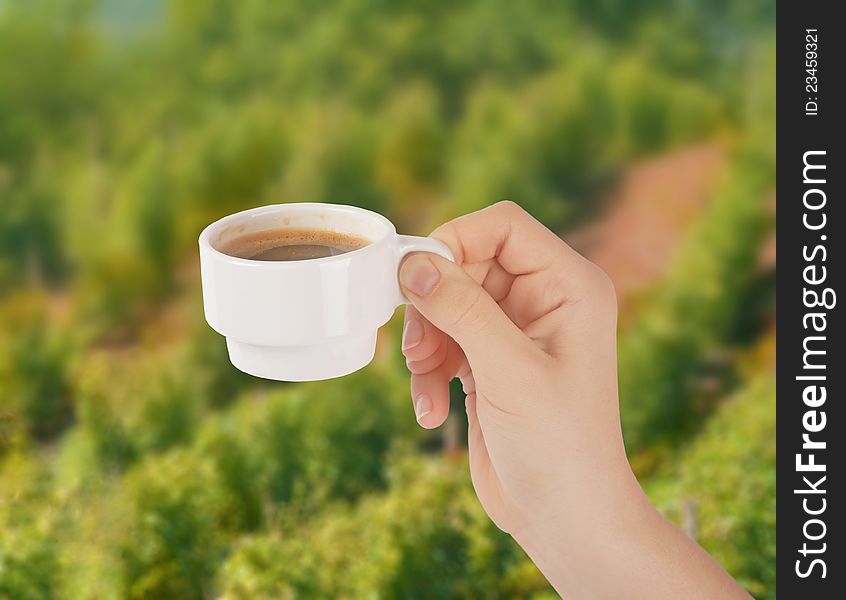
258, 242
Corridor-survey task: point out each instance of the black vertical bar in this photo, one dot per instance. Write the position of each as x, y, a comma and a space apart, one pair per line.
810, 101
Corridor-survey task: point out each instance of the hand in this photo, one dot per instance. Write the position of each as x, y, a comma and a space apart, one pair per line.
529, 327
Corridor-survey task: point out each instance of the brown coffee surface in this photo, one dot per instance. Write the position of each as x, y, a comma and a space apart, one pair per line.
291, 243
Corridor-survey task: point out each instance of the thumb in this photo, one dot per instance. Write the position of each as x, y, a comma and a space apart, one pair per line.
460, 307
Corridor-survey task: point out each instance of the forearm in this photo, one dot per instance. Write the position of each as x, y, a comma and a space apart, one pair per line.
614, 544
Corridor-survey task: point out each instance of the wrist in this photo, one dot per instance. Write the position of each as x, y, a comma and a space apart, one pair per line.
599, 522
592, 483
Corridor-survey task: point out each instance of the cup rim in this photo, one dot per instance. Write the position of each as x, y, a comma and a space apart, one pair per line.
208, 231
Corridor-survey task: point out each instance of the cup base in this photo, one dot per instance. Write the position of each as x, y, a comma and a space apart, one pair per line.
333, 358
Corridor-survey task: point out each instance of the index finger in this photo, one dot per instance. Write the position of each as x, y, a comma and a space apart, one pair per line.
504, 231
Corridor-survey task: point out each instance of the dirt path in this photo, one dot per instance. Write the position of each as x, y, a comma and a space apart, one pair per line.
648, 213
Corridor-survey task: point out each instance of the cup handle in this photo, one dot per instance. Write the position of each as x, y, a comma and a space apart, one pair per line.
413, 243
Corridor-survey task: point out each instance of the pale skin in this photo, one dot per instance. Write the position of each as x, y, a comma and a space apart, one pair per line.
529, 327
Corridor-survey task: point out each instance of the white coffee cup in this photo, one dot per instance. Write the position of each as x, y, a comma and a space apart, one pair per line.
309, 319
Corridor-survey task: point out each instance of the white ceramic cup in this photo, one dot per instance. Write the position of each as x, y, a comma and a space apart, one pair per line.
309, 319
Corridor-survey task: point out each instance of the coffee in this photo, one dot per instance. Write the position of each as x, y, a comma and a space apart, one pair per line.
292, 244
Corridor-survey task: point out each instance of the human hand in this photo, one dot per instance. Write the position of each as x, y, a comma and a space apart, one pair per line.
529, 327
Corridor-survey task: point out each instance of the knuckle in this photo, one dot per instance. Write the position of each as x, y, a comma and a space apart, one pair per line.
468, 308
429, 361
416, 353
602, 287
508, 208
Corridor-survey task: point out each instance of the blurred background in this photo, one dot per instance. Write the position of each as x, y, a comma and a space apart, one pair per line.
136, 462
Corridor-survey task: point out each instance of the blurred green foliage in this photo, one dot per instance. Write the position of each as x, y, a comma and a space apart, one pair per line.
35, 365
429, 538
135, 462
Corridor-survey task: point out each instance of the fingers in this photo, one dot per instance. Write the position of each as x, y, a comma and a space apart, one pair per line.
511, 273
479, 459
430, 389
431, 362
433, 359
522, 246
424, 345
505, 232
420, 339
460, 307
490, 274
485, 480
